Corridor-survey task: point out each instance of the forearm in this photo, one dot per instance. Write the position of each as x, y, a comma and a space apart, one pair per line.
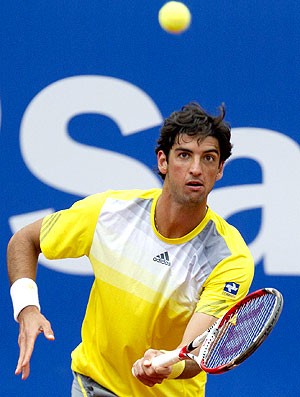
22, 255
191, 369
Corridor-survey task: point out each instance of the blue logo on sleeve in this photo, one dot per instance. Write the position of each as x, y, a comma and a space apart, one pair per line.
231, 288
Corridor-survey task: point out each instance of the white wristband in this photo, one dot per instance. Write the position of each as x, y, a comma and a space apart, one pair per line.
24, 292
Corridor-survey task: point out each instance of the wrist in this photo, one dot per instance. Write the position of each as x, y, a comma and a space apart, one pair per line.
24, 292
177, 369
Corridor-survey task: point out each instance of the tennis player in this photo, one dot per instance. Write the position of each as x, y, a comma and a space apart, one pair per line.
165, 264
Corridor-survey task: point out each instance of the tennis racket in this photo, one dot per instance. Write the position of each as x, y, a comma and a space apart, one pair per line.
233, 337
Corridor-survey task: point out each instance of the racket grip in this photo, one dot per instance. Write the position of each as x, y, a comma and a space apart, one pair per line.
166, 359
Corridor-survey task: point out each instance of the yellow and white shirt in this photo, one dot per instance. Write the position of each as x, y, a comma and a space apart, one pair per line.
146, 286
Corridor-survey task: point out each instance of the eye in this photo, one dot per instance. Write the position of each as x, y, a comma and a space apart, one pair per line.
210, 158
184, 155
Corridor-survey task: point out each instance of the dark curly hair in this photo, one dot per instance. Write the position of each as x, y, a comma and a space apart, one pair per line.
194, 121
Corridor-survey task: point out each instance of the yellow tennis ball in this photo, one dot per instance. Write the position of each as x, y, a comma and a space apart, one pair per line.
174, 17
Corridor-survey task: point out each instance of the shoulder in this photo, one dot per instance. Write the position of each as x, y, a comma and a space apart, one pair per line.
233, 239
132, 194
223, 227
99, 198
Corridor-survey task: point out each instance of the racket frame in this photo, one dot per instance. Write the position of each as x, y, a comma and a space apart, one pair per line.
208, 337
267, 328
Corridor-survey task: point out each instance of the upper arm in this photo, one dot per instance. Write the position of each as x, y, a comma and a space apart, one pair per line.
227, 284
33, 234
28, 235
69, 233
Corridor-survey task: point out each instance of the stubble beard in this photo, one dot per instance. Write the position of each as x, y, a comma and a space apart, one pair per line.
188, 200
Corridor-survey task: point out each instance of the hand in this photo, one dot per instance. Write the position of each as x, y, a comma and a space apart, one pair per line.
32, 323
145, 373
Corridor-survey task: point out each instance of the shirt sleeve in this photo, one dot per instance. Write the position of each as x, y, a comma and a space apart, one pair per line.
228, 283
69, 233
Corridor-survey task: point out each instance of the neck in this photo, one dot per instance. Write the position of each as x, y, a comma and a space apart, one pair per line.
175, 221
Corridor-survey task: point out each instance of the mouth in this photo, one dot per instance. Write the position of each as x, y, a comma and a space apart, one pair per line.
194, 184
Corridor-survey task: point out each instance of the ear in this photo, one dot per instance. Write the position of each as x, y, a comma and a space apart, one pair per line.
162, 162
220, 172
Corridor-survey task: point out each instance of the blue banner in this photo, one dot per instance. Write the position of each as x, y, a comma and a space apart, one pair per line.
84, 89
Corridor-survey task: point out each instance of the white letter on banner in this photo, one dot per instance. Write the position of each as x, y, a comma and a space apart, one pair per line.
61, 162
278, 195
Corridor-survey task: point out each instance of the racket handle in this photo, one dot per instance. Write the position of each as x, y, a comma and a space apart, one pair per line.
166, 359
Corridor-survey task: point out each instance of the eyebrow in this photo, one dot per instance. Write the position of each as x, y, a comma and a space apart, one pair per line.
183, 149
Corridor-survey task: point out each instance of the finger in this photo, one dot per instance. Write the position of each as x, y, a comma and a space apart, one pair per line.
26, 348
147, 363
146, 380
18, 369
23, 367
164, 371
25, 371
26, 344
22, 347
159, 372
149, 381
47, 331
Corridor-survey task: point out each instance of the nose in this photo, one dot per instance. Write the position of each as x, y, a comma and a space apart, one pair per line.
196, 168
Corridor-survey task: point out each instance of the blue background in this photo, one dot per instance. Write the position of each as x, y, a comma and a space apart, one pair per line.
243, 53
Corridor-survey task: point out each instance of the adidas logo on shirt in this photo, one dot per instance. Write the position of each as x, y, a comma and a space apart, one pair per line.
163, 258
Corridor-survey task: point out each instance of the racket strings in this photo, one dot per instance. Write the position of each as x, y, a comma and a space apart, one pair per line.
240, 331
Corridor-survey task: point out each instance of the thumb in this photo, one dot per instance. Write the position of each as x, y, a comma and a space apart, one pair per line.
47, 331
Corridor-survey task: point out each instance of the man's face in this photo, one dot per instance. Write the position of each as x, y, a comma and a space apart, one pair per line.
192, 168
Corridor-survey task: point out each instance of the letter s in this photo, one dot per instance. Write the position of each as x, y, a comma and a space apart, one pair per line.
61, 162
